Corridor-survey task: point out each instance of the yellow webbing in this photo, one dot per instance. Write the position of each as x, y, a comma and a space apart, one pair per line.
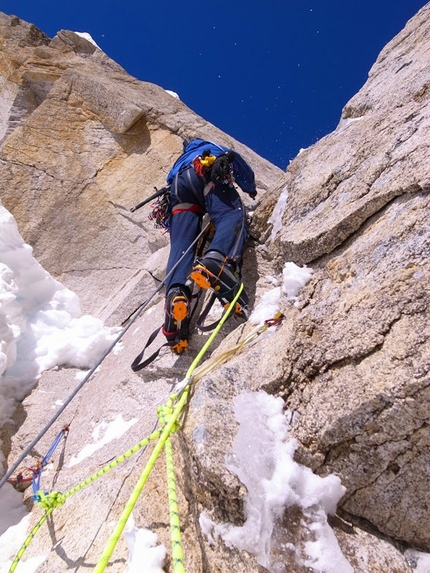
215, 361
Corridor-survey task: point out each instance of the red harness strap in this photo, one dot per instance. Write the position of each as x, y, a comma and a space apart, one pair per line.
194, 208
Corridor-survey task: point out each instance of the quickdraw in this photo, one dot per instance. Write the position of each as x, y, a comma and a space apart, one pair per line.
21, 482
277, 319
37, 473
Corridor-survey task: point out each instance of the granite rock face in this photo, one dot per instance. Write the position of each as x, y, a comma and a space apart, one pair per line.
82, 142
357, 359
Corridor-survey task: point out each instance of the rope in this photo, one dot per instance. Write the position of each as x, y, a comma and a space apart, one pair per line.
91, 372
27, 542
175, 525
55, 499
168, 416
169, 427
187, 380
104, 559
114, 463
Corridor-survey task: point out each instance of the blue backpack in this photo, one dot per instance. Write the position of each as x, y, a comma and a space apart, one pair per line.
242, 172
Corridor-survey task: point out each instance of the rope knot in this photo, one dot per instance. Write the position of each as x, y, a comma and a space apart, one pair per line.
165, 412
50, 500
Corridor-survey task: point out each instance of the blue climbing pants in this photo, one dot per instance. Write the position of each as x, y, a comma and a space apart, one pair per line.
184, 228
227, 213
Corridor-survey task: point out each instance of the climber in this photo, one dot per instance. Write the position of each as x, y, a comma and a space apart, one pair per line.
202, 181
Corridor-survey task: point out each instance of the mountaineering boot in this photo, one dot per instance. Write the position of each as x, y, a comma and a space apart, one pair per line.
177, 318
214, 271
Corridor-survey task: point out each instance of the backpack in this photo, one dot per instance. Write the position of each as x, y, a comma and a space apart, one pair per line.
242, 172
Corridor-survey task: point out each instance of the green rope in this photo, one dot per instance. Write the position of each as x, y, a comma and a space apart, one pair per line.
29, 539
55, 499
104, 559
116, 462
175, 525
170, 426
168, 417
49, 501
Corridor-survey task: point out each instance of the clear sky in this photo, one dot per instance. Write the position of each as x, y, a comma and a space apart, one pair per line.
275, 75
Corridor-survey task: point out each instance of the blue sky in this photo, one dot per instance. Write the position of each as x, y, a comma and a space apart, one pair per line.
275, 75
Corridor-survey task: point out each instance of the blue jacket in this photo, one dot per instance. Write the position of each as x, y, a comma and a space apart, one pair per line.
242, 172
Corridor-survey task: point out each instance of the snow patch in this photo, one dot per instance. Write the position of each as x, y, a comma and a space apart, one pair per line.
276, 217
88, 37
103, 433
143, 549
293, 279
263, 460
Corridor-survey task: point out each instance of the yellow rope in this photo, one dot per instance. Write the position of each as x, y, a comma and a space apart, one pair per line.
104, 559
169, 420
55, 499
175, 526
183, 397
116, 462
30, 538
